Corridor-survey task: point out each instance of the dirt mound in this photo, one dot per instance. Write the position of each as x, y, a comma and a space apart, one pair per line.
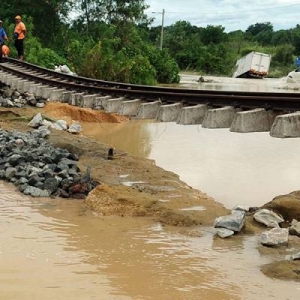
69, 112
284, 270
286, 205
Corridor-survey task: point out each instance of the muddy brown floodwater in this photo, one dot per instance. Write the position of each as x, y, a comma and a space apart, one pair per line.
57, 249
53, 249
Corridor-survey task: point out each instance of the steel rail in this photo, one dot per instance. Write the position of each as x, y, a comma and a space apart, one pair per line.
245, 100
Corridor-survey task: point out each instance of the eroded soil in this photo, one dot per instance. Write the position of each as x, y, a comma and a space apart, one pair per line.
136, 187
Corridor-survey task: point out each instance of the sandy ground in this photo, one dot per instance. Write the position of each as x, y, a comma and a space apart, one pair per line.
136, 187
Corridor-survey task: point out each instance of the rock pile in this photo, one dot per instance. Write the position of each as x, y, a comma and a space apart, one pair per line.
39, 169
12, 98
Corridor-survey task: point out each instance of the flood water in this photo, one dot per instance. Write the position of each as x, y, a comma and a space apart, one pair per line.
53, 249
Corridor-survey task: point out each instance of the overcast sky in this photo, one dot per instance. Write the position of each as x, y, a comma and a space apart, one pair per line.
231, 14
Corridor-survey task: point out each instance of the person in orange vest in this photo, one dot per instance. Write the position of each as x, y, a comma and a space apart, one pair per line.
19, 36
3, 38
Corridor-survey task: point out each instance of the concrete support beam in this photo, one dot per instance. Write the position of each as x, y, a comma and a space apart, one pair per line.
256, 120
169, 112
9, 79
4, 78
219, 117
130, 107
286, 126
20, 85
114, 105
76, 99
56, 95
101, 102
65, 97
192, 114
47, 92
33, 87
40, 90
88, 100
26, 86
14, 83
148, 110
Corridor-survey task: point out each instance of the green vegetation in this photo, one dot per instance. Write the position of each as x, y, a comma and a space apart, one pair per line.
113, 40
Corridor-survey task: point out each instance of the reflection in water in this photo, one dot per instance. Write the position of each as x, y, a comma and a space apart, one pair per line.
234, 168
136, 140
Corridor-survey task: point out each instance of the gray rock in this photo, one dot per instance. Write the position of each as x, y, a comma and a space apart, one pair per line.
268, 218
234, 222
225, 233
275, 237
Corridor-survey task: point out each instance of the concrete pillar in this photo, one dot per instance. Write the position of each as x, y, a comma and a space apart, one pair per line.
148, 110
169, 112
114, 105
219, 117
130, 107
192, 114
256, 120
286, 126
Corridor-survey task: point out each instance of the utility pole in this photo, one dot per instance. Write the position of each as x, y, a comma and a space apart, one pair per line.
162, 29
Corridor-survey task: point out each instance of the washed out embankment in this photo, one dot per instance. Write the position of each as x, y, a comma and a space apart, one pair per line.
154, 192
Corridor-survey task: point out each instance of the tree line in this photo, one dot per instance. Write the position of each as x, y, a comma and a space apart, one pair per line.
114, 40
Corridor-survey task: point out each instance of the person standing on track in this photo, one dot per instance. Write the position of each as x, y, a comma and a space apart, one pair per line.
3, 38
19, 36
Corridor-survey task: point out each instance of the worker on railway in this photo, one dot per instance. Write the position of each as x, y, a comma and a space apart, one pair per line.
3, 38
19, 36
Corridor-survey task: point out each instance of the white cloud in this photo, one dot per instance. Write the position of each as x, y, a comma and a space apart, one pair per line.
231, 14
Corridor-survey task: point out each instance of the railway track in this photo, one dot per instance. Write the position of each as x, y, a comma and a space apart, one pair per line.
288, 102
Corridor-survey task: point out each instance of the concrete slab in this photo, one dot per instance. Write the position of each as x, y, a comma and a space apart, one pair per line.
169, 112
65, 97
76, 99
56, 95
114, 105
20, 85
286, 126
47, 92
219, 117
88, 100
40, 90
100, 102
33, 88
192, 114
14, 82
130, 107
256, 120
148, 110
